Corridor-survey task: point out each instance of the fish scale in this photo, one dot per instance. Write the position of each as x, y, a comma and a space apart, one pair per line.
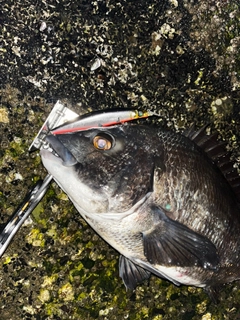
211, 184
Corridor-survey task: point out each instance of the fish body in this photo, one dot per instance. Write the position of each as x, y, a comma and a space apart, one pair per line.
156, 197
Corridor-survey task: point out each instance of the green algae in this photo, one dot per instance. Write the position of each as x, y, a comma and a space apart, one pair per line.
36, 238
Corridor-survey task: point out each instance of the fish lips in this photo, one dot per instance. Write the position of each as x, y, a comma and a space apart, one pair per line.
68, 160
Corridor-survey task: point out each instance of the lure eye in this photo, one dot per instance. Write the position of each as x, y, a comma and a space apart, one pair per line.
103, 142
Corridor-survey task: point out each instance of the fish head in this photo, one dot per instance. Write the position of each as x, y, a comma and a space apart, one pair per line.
102, 169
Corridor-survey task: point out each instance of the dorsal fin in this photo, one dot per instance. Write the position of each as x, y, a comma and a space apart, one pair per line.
216, 151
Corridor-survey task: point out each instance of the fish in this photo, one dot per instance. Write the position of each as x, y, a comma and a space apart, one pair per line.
169, 203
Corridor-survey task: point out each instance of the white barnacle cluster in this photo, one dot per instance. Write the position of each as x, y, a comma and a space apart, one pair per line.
103, 51
221, 107
110, 66
166, 31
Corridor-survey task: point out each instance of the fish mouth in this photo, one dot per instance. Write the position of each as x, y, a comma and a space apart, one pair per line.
60, 163
57, 149
49, 155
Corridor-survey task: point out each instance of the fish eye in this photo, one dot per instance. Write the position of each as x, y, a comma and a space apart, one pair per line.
103, 141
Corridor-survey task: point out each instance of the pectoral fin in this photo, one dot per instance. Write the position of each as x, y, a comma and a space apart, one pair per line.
171, 243
131, 273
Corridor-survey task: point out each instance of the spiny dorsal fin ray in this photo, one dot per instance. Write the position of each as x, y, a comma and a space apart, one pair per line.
216, 151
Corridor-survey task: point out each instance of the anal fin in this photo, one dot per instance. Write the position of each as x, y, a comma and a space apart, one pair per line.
213, 293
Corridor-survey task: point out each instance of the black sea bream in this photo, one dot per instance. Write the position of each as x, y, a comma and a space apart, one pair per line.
155, 196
